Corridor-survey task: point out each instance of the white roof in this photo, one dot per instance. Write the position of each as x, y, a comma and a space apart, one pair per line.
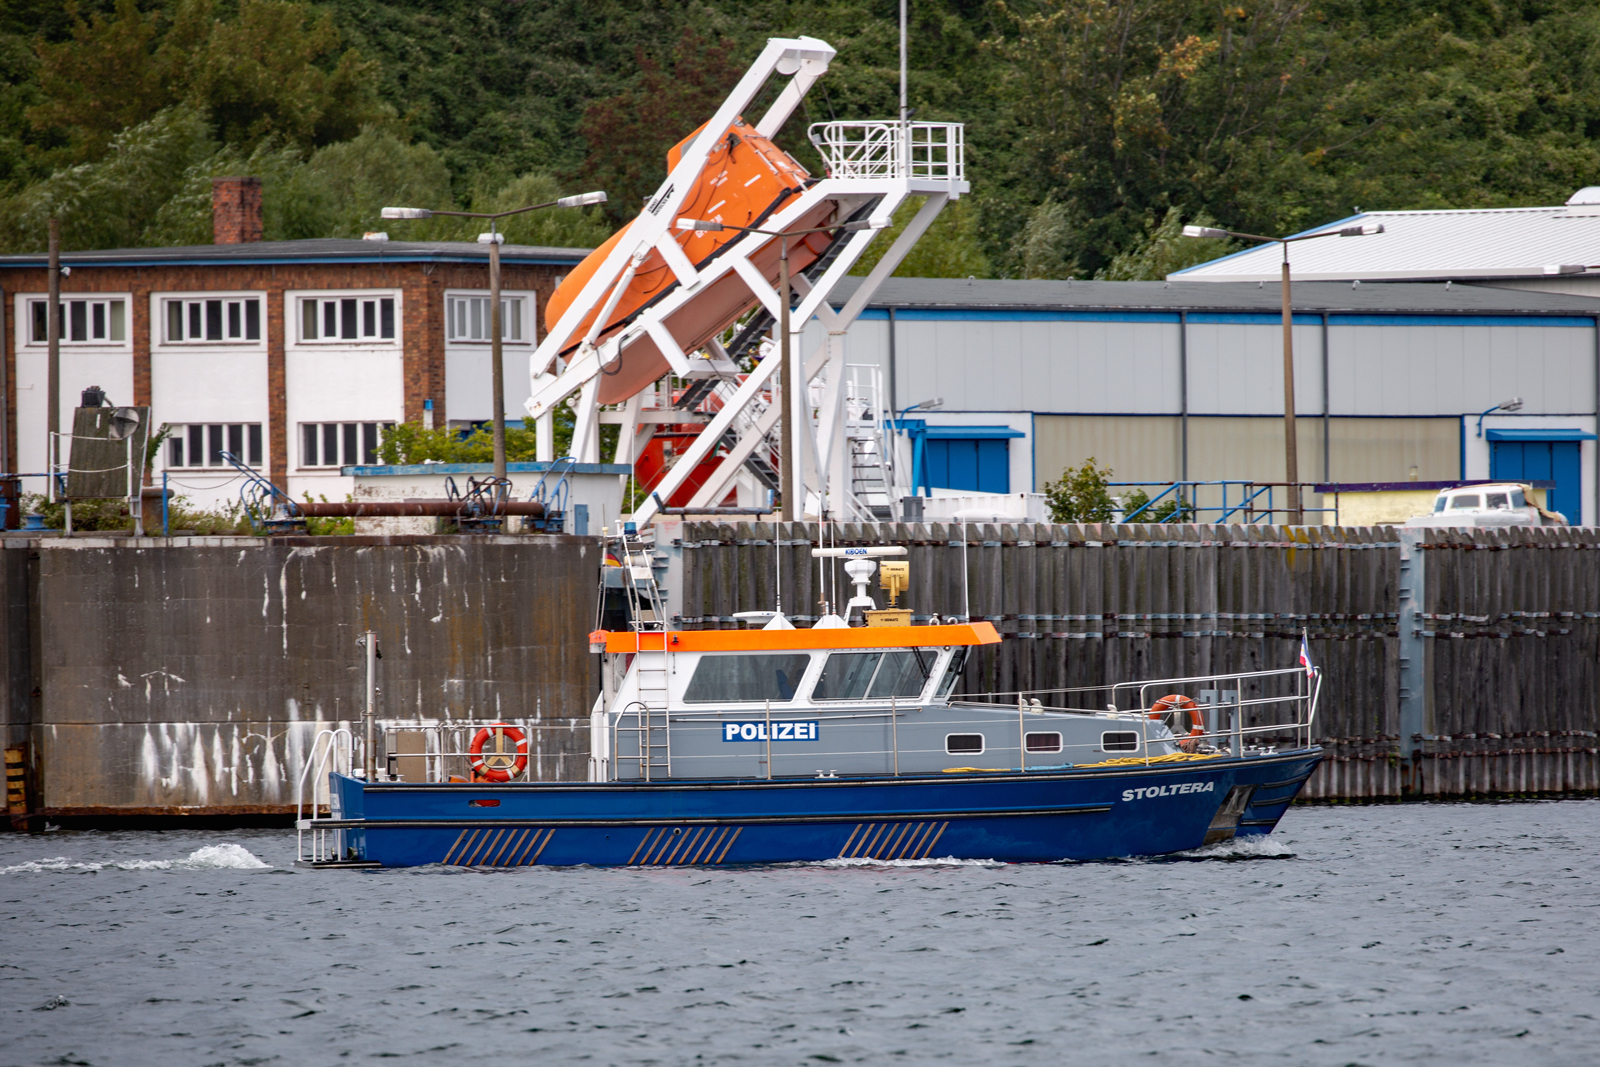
1521, 242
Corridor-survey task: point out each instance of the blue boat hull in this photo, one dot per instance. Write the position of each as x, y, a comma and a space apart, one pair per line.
1033, 817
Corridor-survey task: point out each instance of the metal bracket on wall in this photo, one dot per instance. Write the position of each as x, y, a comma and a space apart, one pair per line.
1411, 594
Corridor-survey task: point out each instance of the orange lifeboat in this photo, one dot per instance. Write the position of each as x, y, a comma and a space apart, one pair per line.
745, 180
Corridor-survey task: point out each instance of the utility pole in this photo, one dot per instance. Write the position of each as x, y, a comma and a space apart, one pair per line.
53, 389
1291, 442
791, 410
498, 371
1291, 456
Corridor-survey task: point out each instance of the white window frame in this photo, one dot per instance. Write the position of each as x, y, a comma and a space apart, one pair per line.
88, 301
367, 305
517, 324
1028, 735
983, 743
1120, 733
161, 323
341, 440
185, 436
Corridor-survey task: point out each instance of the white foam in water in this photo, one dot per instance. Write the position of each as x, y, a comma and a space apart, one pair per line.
210, 857
1257, 846
947, 861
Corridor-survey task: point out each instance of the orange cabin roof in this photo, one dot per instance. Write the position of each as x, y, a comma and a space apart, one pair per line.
976, 633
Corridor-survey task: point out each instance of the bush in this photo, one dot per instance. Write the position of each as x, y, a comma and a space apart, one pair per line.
1080, 495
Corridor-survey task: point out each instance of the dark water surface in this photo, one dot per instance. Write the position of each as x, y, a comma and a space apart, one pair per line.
1401, 934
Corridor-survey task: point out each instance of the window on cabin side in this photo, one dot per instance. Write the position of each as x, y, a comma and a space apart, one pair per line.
963, 744
1043, 742
1120, 741
736, 679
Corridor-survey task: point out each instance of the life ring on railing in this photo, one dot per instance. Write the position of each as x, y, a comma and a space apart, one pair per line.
498, 765
1177, 703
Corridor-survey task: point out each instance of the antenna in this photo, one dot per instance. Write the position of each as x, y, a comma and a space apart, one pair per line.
777, 559
966, 596
902, 61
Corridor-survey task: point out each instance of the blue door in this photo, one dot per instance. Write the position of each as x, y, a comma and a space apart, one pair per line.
976, 464
1542, 461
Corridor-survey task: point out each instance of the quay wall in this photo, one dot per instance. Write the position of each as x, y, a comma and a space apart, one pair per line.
1496, 670
190, 675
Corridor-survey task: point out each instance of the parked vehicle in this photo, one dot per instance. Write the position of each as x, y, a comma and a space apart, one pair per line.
1487, 507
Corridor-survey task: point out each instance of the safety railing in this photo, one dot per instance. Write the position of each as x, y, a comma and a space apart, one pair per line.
460, 750
327, 748
1238, 714
1227, 501
921, 151
1234, 710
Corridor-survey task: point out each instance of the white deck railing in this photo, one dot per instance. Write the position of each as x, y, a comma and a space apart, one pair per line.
920, 151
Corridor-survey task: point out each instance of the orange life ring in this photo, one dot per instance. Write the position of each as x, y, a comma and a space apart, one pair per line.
1180, 704
495, 767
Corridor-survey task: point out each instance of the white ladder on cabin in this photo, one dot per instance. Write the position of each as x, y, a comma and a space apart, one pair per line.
655, 738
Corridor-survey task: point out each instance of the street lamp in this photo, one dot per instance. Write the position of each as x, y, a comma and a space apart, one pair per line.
1290, 450
493, 239
786, 365
1514, 404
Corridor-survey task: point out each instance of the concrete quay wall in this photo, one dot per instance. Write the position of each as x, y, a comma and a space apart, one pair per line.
189, 676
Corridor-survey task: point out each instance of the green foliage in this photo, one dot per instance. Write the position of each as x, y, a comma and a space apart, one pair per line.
1089, 122
1168, 510
1165, 251
111, 515
409, 442
951, 247
273, 70
331, 525
1080, 495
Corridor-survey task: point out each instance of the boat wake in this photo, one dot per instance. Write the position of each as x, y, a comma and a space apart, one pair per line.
1257, 847
210, 857
932, 861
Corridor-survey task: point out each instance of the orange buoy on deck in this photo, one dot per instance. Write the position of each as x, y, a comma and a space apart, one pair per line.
745, 180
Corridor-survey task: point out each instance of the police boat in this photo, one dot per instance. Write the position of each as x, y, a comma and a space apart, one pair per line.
834, 742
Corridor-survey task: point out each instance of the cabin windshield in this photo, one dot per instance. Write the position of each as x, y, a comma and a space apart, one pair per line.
733, 679
1517, 500
1438, 505
1461, 503
874, 675
1498, 500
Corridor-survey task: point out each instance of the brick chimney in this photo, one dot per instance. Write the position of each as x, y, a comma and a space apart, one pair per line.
235, 210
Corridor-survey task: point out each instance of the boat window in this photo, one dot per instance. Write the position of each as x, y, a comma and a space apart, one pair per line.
874, 675
745, 678
1438, 505
1466, 500
1517, 499
1050, 742
901, 674
963, 744
1497, 500
952, 673
846, 676
1120, 741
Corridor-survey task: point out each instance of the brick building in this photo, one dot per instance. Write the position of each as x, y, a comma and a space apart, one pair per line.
292, 354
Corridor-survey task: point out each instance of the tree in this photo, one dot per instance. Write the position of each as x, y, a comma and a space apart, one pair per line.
630, 133
1080, 494
951, 247
1165, 251
273, 70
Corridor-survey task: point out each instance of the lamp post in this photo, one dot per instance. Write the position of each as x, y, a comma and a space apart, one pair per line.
917, 445
493, 239
786, 363
1514, 404
1291, 458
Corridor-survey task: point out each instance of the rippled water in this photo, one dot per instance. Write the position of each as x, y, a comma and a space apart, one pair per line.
1418, 933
